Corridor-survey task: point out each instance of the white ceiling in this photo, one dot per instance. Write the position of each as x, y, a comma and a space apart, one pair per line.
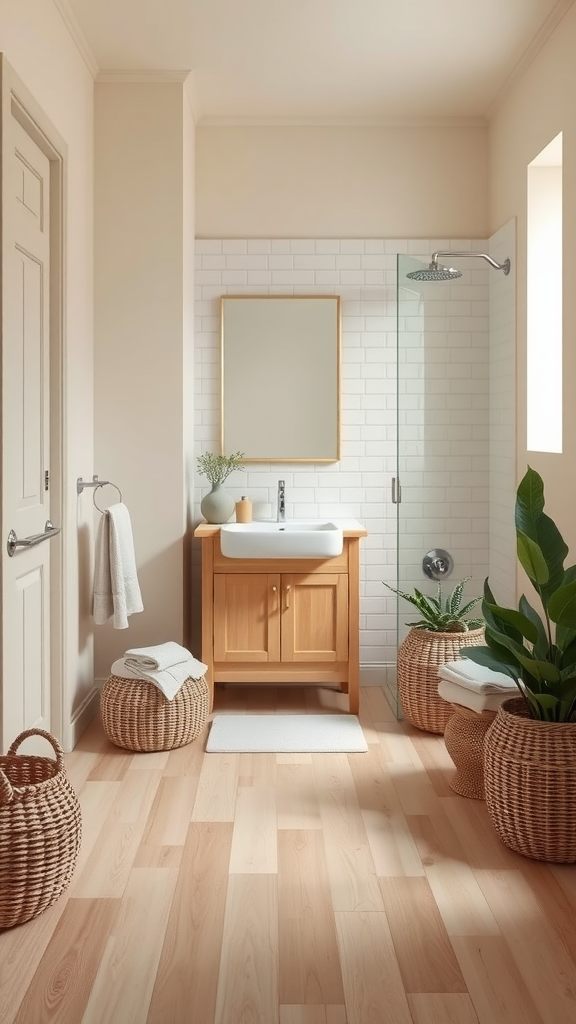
278, 61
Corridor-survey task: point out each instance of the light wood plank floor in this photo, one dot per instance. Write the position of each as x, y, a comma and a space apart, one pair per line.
292, 889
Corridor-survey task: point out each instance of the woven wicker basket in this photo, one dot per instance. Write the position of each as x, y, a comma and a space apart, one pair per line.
464, 739
530, 782
419, 657
40, 831
137, 716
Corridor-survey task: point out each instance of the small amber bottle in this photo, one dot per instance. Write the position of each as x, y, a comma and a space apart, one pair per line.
244, 510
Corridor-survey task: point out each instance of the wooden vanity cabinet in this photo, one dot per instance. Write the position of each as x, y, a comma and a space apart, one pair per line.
280, 617
281, 620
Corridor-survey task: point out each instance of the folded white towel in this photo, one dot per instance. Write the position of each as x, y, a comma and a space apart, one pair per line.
102, 601
454, 693
116, 587
158, 656
468, 673
168, 680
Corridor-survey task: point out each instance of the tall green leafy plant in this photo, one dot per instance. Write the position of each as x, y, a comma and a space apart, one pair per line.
442, 614
537, 649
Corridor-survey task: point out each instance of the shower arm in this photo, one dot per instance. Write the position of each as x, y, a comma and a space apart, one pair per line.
482, 255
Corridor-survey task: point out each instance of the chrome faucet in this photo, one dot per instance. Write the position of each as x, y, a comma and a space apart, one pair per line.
281, 513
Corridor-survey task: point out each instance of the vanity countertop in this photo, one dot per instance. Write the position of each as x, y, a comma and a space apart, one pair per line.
349, 527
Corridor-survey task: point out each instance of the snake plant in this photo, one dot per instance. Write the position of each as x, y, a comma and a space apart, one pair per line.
439, 614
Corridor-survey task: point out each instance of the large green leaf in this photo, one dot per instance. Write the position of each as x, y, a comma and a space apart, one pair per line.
495, 624
569, 575
562, 605
531, 558
564, 637
542, 670
539, 670
542, 646
521, 623
529, 502
485, 656
531, 521
554, 549
567, 649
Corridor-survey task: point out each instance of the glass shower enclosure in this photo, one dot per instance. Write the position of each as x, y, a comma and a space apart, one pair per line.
442, 482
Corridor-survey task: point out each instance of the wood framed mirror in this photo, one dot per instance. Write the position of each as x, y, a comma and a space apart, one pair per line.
280, 377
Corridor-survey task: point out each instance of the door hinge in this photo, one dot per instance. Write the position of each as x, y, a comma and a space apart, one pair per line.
396, 490
47, 480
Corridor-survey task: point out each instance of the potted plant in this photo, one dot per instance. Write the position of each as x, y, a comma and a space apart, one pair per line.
530, 749
217, 506
434, 639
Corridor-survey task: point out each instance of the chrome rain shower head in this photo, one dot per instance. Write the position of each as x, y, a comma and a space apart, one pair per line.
436, 272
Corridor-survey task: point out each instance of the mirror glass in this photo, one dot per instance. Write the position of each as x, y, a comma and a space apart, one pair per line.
281, 377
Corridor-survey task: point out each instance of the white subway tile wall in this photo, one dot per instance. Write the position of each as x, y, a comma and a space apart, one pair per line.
442, 387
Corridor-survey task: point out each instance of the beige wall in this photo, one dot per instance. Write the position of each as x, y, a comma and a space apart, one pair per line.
188, 175
37, 44
535, 110
142, 338
342, 182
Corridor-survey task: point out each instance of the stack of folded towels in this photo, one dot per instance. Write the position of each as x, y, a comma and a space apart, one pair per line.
167, 665
475, 687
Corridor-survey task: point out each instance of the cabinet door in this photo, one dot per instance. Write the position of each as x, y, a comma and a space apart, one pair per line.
315, 617
247, 617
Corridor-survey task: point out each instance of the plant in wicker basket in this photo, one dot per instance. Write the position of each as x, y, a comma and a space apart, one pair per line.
530, 750
442, 615
432, 641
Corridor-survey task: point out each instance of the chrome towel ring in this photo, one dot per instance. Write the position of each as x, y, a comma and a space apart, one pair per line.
105, 483
96, 483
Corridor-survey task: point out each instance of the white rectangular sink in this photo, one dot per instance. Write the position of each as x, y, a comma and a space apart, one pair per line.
295, 538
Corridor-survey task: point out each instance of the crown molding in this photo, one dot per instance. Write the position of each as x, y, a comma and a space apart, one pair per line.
157, 77
530, 54
71, 22
142, 76
342, 122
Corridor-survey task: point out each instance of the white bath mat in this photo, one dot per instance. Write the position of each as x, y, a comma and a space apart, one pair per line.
286, 734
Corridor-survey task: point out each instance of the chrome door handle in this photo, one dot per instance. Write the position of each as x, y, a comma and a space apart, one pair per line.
29, 542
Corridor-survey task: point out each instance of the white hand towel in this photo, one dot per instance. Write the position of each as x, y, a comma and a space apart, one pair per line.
116, 587
475, 677
159, 656
103, 601
168, 680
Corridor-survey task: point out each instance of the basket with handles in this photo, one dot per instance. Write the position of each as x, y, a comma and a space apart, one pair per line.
40, 830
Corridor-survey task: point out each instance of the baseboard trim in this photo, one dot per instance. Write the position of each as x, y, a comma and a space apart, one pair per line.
378, 675
82, 717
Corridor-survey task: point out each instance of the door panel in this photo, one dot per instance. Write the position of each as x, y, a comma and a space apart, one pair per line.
246, 617
315, 617
25, 432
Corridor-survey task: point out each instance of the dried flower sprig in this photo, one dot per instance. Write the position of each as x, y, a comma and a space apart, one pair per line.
218, 467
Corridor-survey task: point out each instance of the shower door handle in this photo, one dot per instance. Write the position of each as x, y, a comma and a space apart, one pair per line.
396, 491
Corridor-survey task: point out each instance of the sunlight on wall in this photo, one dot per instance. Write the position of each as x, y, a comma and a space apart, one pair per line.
544, 300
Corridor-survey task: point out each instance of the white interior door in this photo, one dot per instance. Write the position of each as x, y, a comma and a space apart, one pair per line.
26, 626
